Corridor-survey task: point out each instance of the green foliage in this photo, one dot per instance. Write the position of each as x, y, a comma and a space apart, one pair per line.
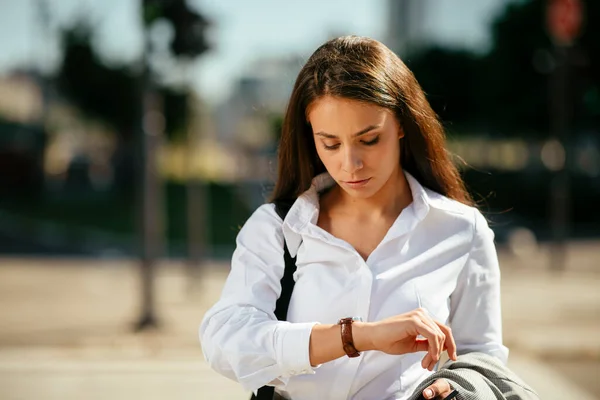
506, 92
189, 26
108, 93
451, 79
116, 214
515, 94
175, 108
151, 11
225, 212
113, 93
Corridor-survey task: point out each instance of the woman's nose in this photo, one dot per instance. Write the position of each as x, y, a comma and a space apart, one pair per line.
352, 161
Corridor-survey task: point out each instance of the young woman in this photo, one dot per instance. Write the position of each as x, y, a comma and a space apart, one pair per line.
394, 263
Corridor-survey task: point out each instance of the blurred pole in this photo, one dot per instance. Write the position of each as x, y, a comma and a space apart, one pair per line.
560, 185
405, 25
151, 199
196, 204
564, 19
197, 196
196, 210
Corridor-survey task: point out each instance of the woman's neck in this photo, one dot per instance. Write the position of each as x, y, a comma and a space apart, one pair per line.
389, 201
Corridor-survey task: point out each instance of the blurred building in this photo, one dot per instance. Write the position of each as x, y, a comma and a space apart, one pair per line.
22, 138
406, 25
45, 142
412, 25
248, 122
20, 98
200, 155
260, 95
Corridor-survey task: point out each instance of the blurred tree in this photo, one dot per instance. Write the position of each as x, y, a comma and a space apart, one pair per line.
111, 93
587, 62
451, 80
189, 26
123, 97
176, 111
519, 63
506, 91
515, 91
107, 93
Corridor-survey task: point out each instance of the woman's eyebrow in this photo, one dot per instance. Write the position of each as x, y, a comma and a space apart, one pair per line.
359, 133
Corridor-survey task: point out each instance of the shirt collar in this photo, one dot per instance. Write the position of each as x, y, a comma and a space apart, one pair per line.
305, 209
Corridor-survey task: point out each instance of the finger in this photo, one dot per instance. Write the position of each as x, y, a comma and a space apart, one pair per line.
431, 335
426, 361
440, 336
450, 344
432, 364
420, 345
427, 318
441, 388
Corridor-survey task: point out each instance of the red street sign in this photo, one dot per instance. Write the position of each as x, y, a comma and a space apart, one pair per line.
564, 20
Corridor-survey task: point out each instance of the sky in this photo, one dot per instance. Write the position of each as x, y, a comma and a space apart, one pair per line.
243, 30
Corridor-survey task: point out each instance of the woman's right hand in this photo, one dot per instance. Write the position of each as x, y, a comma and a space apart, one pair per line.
400, 335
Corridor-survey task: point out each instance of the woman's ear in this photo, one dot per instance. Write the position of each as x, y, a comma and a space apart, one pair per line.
400, 133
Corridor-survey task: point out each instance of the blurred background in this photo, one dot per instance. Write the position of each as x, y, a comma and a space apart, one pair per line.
137, 136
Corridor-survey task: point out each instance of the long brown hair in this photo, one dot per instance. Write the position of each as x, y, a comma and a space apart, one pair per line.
364, 69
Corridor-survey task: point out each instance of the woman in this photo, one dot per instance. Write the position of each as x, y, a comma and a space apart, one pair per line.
383, 231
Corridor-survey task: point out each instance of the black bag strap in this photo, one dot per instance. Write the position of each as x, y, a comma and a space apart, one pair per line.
287, 287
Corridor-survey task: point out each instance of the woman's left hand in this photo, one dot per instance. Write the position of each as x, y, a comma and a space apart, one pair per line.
440, 389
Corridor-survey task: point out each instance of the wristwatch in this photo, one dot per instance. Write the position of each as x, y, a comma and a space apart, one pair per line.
347, 340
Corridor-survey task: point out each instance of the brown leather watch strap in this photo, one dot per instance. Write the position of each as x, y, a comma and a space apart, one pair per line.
347, 340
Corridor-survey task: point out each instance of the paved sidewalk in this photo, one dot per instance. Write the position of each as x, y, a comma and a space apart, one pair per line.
65, 329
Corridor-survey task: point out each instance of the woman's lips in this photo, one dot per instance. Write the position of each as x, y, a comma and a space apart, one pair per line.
357, 184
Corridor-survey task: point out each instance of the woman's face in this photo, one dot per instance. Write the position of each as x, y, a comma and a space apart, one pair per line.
357, 142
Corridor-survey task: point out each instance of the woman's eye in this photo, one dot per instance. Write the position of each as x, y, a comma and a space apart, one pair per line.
372, 141
332, 147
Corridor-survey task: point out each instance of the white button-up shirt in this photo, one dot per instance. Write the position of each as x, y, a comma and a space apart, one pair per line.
439, 255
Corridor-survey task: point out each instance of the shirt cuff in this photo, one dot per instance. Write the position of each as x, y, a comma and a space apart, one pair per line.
292, 343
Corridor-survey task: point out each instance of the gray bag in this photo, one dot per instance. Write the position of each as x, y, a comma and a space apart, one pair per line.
479, 376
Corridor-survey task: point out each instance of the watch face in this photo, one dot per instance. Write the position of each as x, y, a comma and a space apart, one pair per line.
359, 319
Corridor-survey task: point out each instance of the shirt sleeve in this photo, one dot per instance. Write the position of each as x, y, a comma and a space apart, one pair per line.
240, 336
475, 310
